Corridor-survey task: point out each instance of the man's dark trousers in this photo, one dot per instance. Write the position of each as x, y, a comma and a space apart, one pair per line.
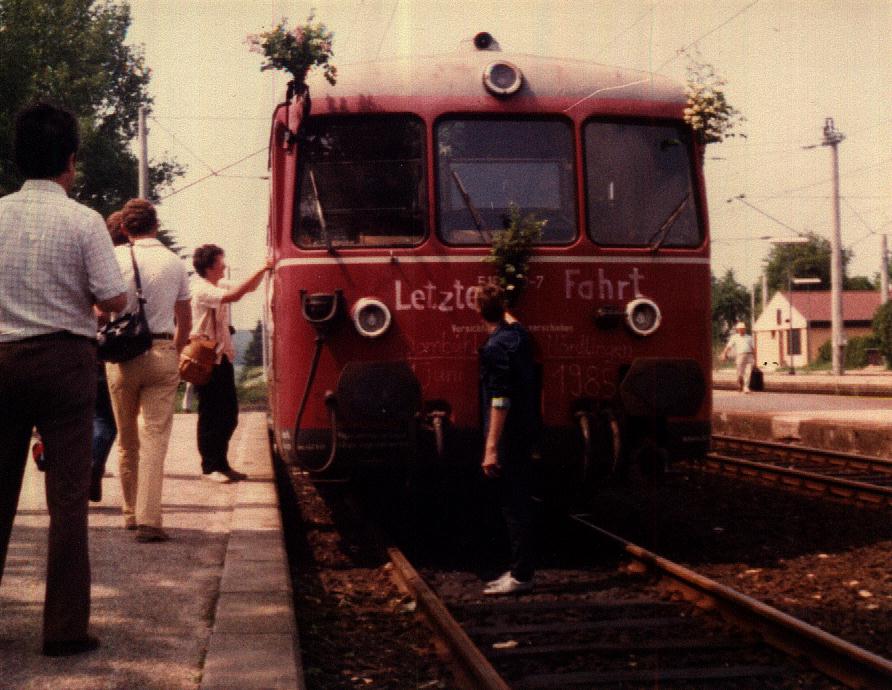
515, 489
50, 382
217, 417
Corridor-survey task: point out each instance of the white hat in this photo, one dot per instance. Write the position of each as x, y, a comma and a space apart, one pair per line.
739, 324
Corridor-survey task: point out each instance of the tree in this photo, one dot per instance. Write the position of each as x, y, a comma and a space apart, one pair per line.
882, 329
72, 52
730, 304
859, 283
807, 260
253, 356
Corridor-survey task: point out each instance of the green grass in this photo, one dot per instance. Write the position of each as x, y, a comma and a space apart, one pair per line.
250, 386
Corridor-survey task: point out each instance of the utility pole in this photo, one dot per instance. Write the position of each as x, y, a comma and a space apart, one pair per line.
143, 156
832, 137
884, 271
764, 290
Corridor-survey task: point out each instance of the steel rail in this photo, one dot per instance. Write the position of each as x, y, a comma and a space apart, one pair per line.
865, 462
872, 494
844, 661
473, 663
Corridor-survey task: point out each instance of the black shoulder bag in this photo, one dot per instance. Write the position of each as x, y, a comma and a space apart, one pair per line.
128, 336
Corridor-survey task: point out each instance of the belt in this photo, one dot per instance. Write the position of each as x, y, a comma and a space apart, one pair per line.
162, 336
55, 335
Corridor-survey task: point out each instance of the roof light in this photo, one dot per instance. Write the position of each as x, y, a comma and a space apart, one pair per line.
502, 78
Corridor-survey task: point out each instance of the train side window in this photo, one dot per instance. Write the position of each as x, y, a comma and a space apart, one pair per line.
361, 182
639, 188
485, 164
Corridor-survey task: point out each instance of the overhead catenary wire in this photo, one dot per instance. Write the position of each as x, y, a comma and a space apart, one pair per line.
213, 174
180, 143
678, 53
681, 51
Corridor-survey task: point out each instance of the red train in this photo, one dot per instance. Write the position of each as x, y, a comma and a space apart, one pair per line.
384, 195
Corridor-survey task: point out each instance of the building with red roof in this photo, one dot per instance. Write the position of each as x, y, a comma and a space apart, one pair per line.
779, 344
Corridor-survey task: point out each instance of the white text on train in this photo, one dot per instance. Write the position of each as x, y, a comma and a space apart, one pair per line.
606, 287
429, 296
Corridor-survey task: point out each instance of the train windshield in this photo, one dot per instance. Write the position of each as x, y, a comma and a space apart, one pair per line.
486, 165
638, 184
361, 182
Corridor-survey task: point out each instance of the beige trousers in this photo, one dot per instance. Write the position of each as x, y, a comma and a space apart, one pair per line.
143, 392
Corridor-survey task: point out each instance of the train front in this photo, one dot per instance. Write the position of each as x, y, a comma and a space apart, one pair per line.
387, 190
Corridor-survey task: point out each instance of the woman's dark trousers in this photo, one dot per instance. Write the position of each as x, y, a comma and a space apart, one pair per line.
217, 417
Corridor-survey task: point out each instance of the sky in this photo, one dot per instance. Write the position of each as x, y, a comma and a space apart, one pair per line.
788, 65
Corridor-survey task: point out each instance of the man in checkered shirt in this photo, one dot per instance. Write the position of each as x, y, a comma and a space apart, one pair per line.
56, 263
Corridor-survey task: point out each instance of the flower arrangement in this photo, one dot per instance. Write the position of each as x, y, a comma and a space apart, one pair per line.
708, 112
511, 249
296, 51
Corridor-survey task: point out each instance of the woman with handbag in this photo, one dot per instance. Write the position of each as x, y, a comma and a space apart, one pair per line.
217, 399
147, 383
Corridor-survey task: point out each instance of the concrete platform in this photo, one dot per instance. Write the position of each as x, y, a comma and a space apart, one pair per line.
212, 608
799, 412
872, 381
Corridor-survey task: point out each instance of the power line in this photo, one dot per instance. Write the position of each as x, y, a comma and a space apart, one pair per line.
209, 117
623, 32
213, 174
848, 173
741, 198
386, 28
188, 150
681, 51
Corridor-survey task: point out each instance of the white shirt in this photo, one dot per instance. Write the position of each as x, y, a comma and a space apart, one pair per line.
742, 344
210, 316
164, 279
56, 262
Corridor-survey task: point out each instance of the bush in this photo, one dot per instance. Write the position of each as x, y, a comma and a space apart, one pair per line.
856, 351
251, 387
882, 331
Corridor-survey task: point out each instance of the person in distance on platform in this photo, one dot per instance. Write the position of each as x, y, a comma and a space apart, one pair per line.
146, 386
217, 399
509, 403
104, 428
744, 354
56, 263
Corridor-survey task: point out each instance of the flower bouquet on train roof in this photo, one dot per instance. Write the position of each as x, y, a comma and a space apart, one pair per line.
296, 51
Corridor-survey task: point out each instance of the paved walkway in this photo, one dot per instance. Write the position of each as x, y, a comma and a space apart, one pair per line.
872, 381
211, 608
832, 419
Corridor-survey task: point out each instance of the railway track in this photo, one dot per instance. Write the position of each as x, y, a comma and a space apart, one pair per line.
841, 476
646, 625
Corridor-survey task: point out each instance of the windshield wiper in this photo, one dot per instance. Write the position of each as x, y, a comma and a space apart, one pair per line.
320, 216
663, 231
475, 214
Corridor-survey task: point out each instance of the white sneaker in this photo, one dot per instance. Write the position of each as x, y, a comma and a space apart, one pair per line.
218, 477
508, 586
499, 579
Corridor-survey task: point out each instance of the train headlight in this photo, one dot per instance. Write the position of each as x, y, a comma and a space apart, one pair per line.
643, 316
371, 317
502, 78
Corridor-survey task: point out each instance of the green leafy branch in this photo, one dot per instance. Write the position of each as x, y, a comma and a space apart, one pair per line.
511, 249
